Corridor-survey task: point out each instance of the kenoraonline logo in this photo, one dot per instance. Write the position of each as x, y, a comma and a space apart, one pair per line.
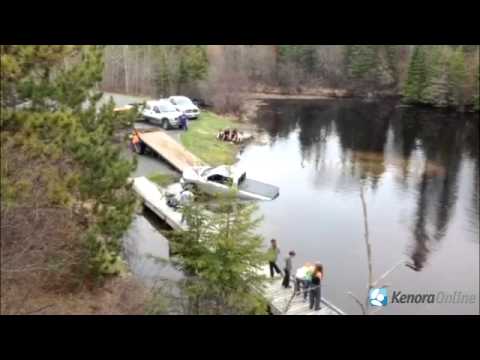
378, 297
441, 297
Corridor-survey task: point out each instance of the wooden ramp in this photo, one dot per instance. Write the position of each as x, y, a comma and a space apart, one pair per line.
170, 150
278, 297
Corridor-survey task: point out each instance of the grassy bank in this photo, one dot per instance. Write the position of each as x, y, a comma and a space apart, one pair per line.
201, 139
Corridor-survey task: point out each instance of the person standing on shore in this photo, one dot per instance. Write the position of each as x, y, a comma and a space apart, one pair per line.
315, 287
303, 277
288, 269
273, 252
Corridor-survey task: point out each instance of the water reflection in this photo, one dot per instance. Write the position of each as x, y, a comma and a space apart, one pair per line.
423, 151
472, 146
147, 251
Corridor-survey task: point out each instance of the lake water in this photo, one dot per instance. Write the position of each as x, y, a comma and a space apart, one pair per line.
420, 173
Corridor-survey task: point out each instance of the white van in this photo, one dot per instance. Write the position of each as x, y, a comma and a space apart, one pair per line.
163, 113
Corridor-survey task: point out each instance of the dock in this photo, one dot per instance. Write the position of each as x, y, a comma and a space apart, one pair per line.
154, 198
169, 149
282, 301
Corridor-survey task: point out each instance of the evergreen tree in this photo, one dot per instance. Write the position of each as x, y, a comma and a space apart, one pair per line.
476, 101
193, 64
417, 76
302, 57
392, 60
165, 69
436, 90
347, 57
63, 126
363, 62
178, 65
456, 78
221, 255
436, 93
475, 59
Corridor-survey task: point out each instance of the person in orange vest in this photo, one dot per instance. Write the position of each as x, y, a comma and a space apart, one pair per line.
137, 143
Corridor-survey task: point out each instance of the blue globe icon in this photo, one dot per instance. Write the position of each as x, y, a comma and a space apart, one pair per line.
378, 297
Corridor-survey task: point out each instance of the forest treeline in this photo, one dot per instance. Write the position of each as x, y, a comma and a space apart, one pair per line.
436, 75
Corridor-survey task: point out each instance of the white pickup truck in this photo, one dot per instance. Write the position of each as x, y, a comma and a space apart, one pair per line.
221, 179
186, 106
163, 113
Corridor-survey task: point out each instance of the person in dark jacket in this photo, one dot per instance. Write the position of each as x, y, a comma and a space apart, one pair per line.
184, 122
315, 287
288, 270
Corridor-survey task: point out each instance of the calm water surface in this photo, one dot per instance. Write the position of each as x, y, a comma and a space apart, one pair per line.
420, 172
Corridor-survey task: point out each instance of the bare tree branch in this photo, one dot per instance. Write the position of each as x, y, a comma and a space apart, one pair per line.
388, 272
38, 310
358, 302
367, 239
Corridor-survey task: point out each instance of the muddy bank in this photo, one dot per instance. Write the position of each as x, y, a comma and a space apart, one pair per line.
317, 92
323, 94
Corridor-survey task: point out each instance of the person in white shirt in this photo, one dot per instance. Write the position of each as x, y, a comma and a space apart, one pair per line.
303, 279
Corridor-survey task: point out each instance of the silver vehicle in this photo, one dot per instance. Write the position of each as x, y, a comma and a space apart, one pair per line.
221, 179
186, 106
163, 113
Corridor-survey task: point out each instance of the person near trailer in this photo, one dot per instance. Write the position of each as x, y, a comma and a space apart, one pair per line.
136, 143
184, 122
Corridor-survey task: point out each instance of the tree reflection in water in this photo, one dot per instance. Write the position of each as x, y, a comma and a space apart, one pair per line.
425, 155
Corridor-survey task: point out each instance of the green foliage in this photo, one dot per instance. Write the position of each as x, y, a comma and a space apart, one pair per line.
476, 92
159, 304
301, 55
436, 93
193, 63
435, 90
373, 65
363, 61
164, 179
417, 76
476, 104
104, 259
437, 76
457, 76
392, 53
221, 255
178, 65
64, 132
